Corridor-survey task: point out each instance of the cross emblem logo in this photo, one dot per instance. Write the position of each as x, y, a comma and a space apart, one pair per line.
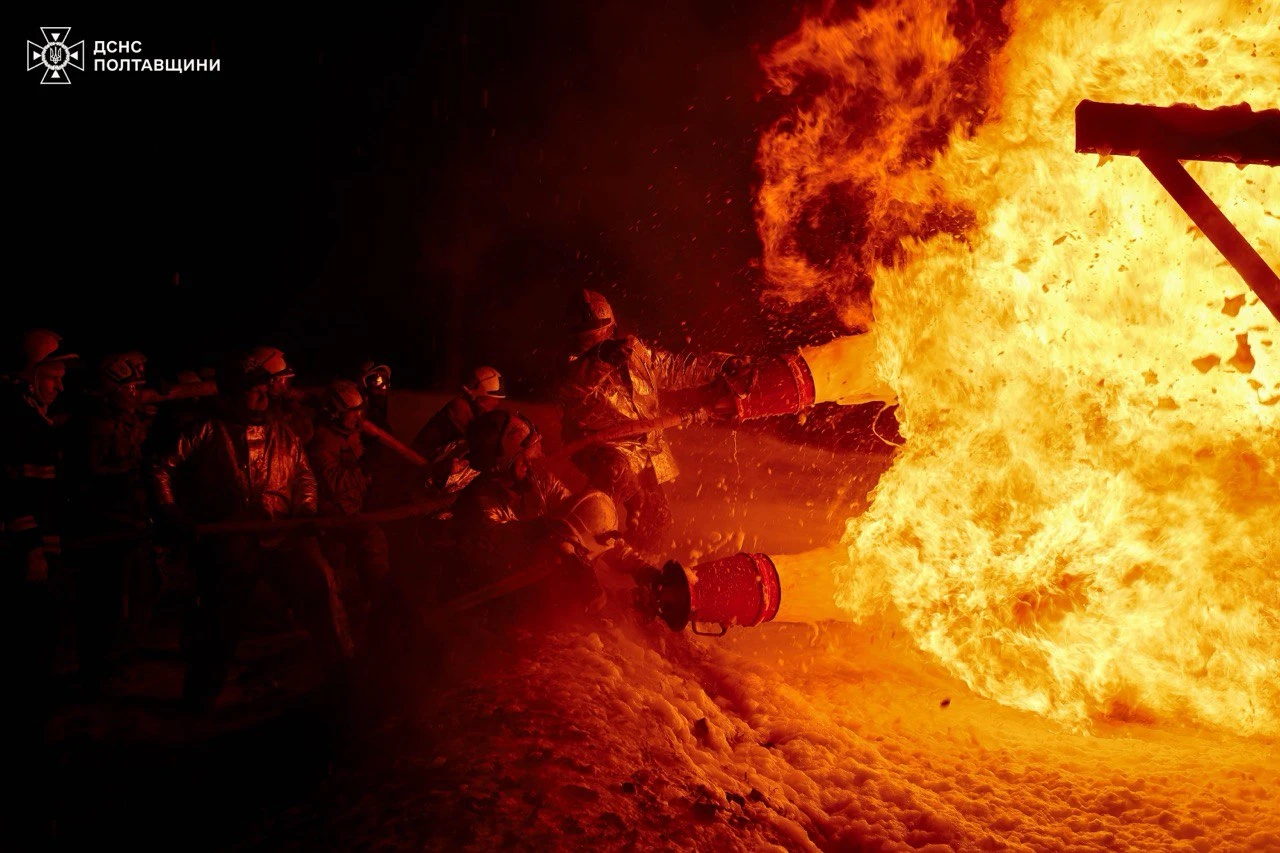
55, 55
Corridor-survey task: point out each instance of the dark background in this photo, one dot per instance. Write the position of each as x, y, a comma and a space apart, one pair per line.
425, 191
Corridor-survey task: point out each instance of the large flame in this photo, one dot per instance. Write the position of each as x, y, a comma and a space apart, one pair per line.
1085, 519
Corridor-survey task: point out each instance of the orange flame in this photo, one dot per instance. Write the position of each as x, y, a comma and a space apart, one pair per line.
1085, 520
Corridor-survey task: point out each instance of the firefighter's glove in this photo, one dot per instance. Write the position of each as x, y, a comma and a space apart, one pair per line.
616, 351
739, 374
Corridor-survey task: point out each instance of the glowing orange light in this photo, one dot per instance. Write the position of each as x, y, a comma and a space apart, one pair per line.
1085, 519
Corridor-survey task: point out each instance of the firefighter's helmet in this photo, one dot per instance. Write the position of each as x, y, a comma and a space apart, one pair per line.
496, 439
123, 368
484, 382
40, 347
375, 378
258, 366
590, 311
591, 523
590, 319
268, 362
340, 397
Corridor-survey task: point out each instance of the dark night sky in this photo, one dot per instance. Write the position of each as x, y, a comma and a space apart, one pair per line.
425, 191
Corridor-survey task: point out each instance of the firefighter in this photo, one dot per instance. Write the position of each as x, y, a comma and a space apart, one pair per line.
245, 465
443, 440
33, 503
188, 405
287, 402
375, 381
108, 501
614, 380
508, 520
590, 527
391, 484
357, 551
508, 502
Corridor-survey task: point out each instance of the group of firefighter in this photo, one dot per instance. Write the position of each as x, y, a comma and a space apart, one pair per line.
359, 535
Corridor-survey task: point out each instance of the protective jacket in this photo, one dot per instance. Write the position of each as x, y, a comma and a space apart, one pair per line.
499, 520
234, 470
335, 459
33, 497
442, 441
446, 426
619, 381
104, 466
496, 498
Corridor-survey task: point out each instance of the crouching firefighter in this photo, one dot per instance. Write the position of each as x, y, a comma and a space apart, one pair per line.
505, 520
244, 465
442, 441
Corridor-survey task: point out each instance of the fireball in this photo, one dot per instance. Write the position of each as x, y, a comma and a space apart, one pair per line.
1084, 520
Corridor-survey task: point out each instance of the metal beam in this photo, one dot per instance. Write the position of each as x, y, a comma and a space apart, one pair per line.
1161, 136
1215, 225
1226, 135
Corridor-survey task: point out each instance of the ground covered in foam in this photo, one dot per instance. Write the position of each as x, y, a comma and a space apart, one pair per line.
612, 736
801, 738
832, 736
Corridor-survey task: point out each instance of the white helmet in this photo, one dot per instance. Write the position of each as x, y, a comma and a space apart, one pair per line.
591, 522
40, 347
342, 396
126, 368
485, 382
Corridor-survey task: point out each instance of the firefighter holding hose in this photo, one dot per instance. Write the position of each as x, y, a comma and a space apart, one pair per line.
245, 464
33, 498
513, 493
108, 499
443, 439
614, 381
358, 552
518, 525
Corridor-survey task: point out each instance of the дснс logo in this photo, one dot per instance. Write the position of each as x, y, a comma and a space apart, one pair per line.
55, 55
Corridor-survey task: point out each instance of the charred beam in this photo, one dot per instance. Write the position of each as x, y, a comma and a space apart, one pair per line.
1215, 225
1227, 134
1161, 136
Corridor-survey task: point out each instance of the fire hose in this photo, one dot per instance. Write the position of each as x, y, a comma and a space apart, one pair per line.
743, 589
183, 391
631, 429
279, 525
504, 586
778, 385
840, 371
209, 387
392, 443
